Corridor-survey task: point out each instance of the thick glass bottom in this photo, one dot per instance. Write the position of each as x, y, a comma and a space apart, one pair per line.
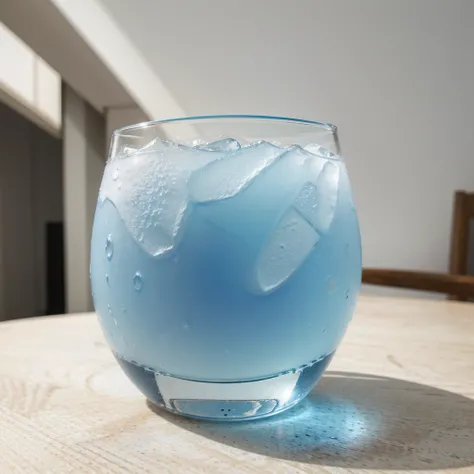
226, 401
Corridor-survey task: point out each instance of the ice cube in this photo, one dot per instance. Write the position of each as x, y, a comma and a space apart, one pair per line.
286, 249
149, 190
257, 209
317, 200
318, 150
228, 176
226, 144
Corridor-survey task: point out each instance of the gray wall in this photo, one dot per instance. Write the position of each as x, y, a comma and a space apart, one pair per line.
84, 155
30, 196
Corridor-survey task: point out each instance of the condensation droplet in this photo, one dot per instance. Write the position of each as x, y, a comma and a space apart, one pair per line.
141, 237
109, 247
346, 295
186, 326
115, 174
109, 309
138, 281
107, 279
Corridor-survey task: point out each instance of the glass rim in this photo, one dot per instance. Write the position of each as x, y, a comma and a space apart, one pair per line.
299, 121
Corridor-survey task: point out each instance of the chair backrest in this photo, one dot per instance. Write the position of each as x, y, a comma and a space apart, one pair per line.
463, 212
458, 285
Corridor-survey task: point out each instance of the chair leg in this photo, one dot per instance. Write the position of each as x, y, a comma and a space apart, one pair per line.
459, 238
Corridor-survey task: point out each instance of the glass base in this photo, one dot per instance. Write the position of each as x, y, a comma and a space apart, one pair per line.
226, 401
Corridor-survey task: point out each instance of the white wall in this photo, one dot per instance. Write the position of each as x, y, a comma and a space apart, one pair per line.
396, 77
30, 196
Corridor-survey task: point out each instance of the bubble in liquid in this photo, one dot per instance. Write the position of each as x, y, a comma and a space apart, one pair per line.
109, 247
138, 281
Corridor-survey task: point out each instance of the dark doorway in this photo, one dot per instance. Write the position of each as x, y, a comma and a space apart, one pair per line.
55, 294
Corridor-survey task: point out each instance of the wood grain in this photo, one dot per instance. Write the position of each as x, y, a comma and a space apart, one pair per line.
458, 285
398, 397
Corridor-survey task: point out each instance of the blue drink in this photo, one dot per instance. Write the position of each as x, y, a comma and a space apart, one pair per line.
224, 275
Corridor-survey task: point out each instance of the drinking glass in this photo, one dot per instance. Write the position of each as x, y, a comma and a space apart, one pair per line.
225, 260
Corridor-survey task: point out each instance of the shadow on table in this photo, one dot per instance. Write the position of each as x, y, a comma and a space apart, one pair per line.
358, 421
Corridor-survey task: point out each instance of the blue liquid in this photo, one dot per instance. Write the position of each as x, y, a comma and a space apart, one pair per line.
195, 313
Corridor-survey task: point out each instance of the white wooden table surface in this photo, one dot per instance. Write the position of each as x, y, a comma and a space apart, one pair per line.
398, 397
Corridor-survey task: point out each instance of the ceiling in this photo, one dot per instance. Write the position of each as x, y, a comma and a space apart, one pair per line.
40, 24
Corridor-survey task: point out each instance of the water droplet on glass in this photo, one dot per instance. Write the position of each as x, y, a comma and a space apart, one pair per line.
331, 284
141, 237
124, 310
347, 248
109, 309
109, 247
346, 295
186, 326
138, 281
115, 174
119, 184
107, 279
324, 331
115, 321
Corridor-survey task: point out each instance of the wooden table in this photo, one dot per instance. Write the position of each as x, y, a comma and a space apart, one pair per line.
398, 397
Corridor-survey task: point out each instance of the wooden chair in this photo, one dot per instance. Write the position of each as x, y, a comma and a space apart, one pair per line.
457, 284
459, 287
